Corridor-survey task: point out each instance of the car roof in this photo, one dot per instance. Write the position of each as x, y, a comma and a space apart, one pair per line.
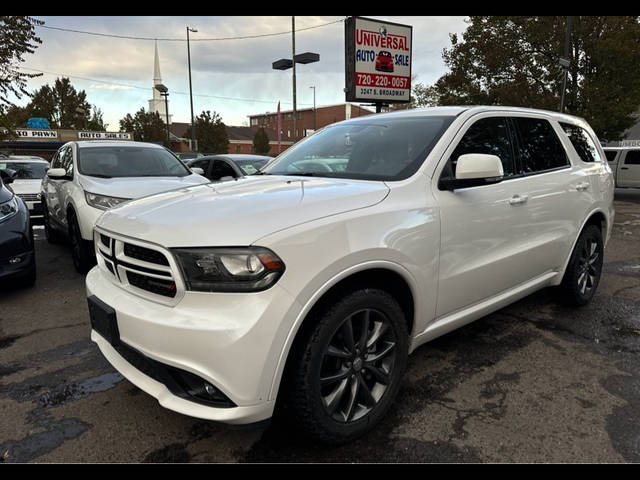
235, 156
23, 158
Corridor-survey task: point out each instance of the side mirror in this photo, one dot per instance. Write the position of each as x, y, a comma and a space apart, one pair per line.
197, 170
57, 173
474, 170
8, 176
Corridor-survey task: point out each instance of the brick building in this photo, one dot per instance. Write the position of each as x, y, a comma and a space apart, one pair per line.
308, 120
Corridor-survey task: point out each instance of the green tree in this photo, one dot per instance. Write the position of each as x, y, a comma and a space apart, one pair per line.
146, 127
62, 105
96, 122
513, 60
211, 133
17, 38
261, 142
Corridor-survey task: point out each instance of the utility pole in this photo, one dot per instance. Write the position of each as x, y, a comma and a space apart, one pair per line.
566, 61
315, 127
293, 56
193, 127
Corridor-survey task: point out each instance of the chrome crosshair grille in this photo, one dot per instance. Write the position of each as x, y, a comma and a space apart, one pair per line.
142, 268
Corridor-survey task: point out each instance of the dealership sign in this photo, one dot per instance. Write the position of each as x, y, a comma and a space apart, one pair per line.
377, 61
103, 136
36, 133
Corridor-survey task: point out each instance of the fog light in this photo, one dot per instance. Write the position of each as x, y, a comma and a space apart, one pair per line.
15, 260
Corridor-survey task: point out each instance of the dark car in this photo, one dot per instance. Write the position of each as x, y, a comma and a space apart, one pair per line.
17, 254
384, 61
228, 166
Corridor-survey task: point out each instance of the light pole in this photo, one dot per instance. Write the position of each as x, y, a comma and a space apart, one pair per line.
193, 128
164, 91
566, 62
314, 109
285, 63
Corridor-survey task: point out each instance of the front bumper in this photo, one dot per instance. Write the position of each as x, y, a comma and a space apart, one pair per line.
230, 340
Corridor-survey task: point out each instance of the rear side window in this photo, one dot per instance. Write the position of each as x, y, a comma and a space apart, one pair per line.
611, 155
539, 146
632, 158
488, 136
582, 142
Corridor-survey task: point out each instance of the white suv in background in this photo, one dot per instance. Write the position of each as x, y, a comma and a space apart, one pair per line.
86, 178
309, 283
29, 174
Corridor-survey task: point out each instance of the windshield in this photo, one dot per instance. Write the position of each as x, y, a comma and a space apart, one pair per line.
123, 161
26, 170
379, 149
249, 167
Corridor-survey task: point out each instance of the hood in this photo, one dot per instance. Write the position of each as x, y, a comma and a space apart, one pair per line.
136, 187
238, 212
21, 186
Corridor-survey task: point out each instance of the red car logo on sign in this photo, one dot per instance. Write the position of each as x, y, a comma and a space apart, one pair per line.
384, 61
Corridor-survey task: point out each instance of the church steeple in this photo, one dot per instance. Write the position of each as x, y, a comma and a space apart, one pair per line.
157, 103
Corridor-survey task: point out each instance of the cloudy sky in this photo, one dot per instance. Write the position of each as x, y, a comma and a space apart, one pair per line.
232, 76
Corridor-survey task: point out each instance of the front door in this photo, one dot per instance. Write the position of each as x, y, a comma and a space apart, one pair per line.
629, 168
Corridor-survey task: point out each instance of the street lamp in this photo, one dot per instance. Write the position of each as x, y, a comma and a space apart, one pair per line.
193, 128
164, 91
314, 109
284, 64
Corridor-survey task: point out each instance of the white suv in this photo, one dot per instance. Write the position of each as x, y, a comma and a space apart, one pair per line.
86, 178
310, 283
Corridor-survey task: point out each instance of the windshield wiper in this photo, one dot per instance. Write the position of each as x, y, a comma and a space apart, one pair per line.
99, 175
259, 173
302, 174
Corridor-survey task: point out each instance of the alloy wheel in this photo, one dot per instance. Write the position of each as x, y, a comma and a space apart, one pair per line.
588, 267
357, 365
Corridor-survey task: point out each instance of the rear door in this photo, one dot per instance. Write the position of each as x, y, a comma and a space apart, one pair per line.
629, 168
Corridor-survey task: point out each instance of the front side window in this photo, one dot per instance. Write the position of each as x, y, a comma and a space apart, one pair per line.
582, 142
539, 146
128, 161
632, 157
489, 136
26, 170
372, 149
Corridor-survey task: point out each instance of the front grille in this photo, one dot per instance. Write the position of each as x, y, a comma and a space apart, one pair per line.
166, 288
145, 254
145, 271
29, 197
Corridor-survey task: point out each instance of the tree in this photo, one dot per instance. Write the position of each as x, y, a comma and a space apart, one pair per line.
261, 142
61, 104
146, 127
17, 38
513, 60
211, 133
96, 121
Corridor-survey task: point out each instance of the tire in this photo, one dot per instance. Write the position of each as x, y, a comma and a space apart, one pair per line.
357, 387
81, 250
583, 272
52, 235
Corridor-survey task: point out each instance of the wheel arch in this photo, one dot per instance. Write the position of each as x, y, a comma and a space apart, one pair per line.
383, 275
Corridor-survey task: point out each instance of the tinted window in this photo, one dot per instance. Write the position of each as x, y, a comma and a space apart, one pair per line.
27, 170
540, 148
203, 164
632, 158
220, 168
582, 142
488, 136
383, 148
611, 155
129, 161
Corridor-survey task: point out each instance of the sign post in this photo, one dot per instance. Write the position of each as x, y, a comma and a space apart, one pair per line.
377, 61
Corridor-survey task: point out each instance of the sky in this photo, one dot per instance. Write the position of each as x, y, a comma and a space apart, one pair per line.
232, 77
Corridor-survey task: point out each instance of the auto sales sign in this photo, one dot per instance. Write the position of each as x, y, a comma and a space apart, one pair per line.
377, 61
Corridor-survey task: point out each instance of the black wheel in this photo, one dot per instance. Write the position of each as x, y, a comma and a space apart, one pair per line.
53, 236
349, 368
582, 276
81, 250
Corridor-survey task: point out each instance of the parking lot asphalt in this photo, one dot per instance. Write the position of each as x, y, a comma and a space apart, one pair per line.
534, 382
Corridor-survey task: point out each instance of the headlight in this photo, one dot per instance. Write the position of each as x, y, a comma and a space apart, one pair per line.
103, 202
250, 269
8, 209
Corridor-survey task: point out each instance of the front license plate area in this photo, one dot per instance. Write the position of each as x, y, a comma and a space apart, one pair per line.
103, 320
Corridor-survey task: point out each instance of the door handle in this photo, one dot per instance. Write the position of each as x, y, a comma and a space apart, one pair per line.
582, 186
518, 199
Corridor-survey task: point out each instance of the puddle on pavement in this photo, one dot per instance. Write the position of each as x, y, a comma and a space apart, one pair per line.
76, 391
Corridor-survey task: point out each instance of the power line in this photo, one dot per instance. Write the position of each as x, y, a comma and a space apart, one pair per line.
271, 102
129, 37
